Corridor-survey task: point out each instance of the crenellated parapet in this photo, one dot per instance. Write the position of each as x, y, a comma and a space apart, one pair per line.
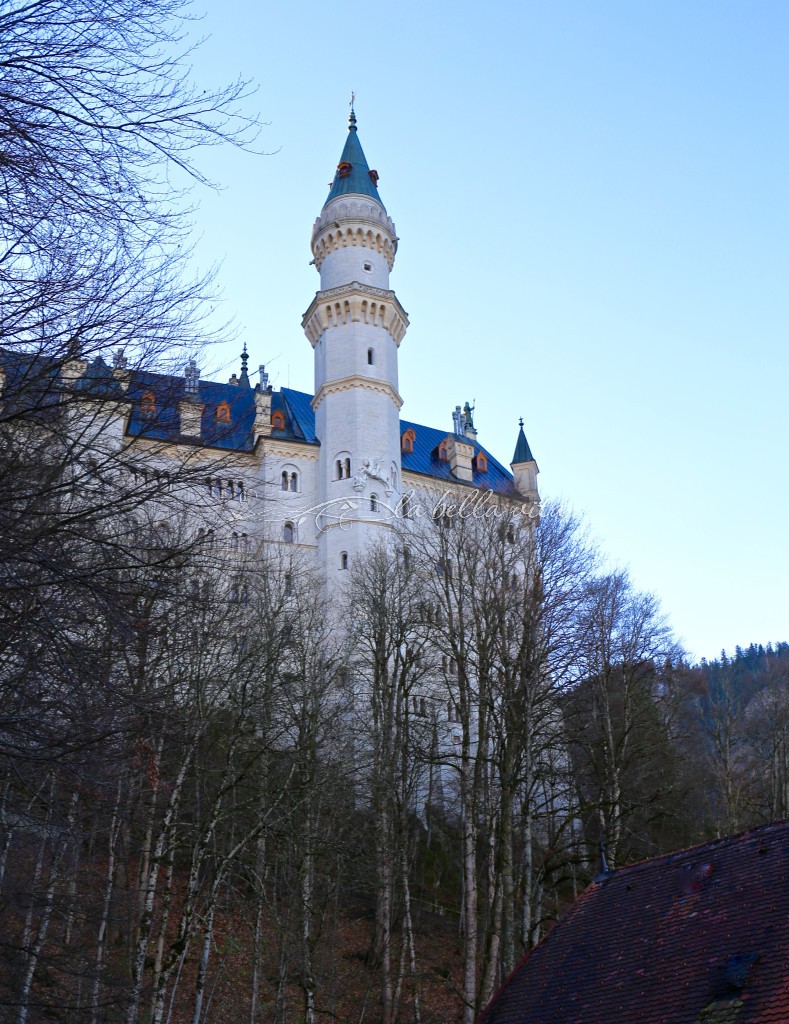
355, 303
354, 222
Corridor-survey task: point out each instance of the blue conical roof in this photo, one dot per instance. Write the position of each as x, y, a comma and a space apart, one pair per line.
522, 449
357, 181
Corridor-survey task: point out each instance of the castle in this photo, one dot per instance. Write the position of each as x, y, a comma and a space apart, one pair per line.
329, 471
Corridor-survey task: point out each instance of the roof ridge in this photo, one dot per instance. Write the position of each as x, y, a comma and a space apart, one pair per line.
719, 841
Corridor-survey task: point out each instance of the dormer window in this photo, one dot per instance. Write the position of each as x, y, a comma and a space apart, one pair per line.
148, 404
278, 420
407, 440
223, 413
344, 169
442, 452
481, 462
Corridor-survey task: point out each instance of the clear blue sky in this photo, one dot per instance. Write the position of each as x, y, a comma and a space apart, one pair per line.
593, 206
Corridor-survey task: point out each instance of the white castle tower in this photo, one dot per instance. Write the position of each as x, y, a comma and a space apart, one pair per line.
355, 325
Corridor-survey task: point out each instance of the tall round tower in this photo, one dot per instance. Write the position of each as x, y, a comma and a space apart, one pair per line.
355, 325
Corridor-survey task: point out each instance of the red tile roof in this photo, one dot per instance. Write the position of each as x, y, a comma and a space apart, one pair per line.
696, 937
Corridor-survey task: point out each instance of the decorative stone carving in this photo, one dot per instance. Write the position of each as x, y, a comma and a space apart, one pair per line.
346, 222
383, 387
355, 303
372, 469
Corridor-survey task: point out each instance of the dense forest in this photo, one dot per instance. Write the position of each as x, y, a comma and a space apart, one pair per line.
223, 796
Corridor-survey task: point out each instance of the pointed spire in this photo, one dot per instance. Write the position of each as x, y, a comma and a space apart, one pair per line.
244, 378
353, 175
522, 450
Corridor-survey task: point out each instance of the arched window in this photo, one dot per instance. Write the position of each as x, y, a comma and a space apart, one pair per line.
288, 533
481, 462
148, 404
373, 502
339, 469
347, 469
288, 584
244, 542
240, 492
343, 559
209, 486
278, 420
407, 440
231, 490
290, 479
223, 412
370, 357
234, 542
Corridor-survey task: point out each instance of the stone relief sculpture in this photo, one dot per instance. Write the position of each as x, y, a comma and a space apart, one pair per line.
372, 469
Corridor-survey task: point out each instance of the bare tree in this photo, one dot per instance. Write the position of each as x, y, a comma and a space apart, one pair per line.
618, 714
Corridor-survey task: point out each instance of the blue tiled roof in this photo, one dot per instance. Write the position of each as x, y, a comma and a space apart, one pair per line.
31, 382
358, 182
99, 381
163, 424
423, 460
302, 413
296, 406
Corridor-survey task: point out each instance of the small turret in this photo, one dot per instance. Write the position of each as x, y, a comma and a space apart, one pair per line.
524, 468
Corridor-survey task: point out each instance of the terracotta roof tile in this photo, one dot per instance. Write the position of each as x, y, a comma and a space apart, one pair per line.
695, 937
